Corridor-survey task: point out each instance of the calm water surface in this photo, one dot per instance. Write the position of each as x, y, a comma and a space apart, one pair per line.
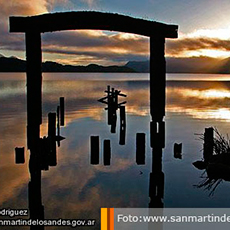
76, 189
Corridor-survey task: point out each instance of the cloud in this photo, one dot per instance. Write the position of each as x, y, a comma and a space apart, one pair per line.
90, 3
176, 47
87, 46
95, 45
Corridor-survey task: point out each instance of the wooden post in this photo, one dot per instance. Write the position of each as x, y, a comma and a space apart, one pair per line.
62, 111
116, 99
52, 138
140, 148
110, 105
114, 122
20, 155
34, 191
34, 87
122, 116
52, 125
45, 152
157, 78
157, 125
107, 152
208, 143
122, 125
177, 150
94, 150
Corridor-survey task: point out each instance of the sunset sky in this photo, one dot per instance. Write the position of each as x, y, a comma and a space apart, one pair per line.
204, 30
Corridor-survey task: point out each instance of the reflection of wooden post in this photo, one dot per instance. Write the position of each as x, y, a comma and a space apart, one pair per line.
114, 122
34, 86
62, 111
122, 116
122, 125
94, 150
52, 125
20, 155
45, 152
107, 152
52, 138
208, 143
177, 150
157, 125
140, 148
58, 125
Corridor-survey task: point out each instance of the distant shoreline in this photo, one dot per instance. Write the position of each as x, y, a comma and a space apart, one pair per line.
192, 65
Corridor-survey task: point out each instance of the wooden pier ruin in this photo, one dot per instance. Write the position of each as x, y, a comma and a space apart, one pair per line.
112, 102
33, 26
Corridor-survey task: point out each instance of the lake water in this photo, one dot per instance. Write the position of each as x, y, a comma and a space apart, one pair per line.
74, 188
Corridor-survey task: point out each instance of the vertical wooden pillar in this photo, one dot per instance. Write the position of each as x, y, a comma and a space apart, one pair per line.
140, 148
34, 86
62, 111
122, 125
107, 152
208, 143
157, 125
94, 157
52, 139
157, 78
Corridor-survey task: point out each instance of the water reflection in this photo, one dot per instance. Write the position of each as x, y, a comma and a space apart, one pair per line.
73, 187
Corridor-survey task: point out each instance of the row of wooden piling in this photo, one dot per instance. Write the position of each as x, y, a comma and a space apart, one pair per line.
47, 145
112, 102
95, 150
94, 160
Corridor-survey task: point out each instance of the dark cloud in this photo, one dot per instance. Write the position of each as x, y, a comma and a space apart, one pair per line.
90, 39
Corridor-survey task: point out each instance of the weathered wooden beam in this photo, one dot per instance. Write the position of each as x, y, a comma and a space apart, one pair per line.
34, 86
91, 20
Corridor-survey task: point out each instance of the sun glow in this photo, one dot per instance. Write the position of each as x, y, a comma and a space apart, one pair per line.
205, 94
213, 37
207, 52
209, 33
218, 114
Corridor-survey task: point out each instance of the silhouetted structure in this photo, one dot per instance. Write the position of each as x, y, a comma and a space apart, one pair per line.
216, 160
122, 125
111, 100
157, 125
62, 111
140, 148
35, 25
52, 139
58, 125
34, 187
177, 150
107, 152
45, 153
208, 143
94, 140
20, 155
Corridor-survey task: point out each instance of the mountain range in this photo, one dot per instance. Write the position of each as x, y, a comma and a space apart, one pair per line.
174, 65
